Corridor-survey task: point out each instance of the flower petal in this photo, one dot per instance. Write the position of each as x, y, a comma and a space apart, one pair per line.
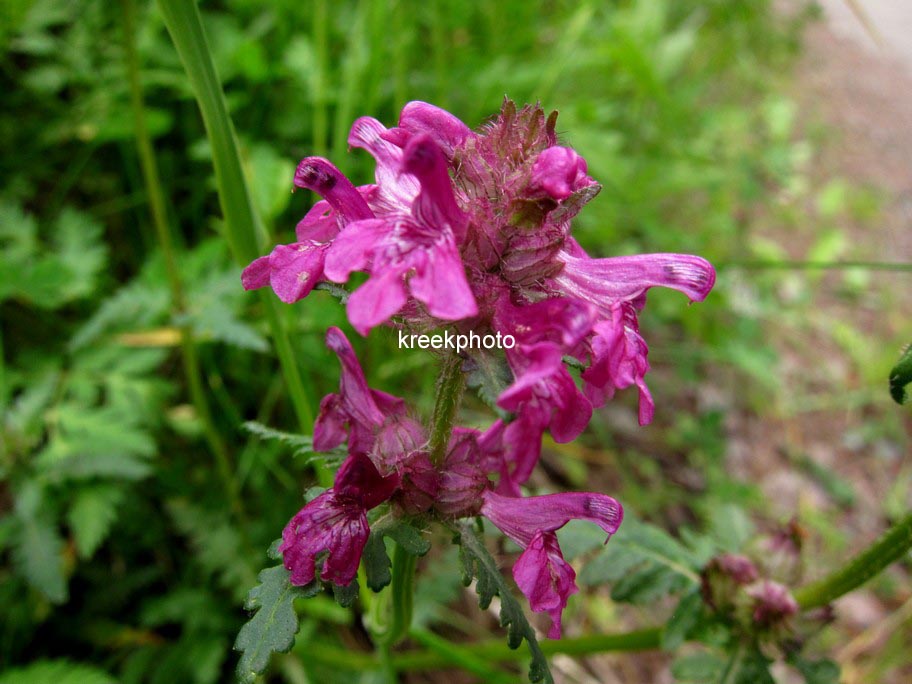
327, 525
605, 281
447, 130
521, 518
546, 579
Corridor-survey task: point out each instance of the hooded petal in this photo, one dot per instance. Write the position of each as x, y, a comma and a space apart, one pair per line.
319, 175
396, 191
546, 579
356, 396
446, 130
605, 281
521, 518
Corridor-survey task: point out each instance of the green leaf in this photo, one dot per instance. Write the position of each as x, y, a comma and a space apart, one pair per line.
91, 516
644, 562
408, 537
900, 376
730, 527
697, 668
822, 671
376, 562
273, 627
747, 666
38, 551
56, 671
478, 563
301, 445
488, 374
345, 596
685, 617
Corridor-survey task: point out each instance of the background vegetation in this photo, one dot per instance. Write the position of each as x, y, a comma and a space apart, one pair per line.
135, 509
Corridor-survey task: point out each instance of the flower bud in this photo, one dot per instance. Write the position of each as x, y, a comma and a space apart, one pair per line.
772, 603
722, 579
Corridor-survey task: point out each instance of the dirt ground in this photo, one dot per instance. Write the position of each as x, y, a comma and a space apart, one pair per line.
853, 83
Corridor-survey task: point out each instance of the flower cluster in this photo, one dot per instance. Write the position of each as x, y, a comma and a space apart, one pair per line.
467, 231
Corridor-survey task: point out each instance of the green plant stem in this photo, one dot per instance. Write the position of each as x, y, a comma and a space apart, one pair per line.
495, 650
242, 225
155, 195
890, 547
450, 384
402, 595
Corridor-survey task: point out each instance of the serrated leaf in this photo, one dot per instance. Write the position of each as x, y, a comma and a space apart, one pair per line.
489, 582
488, 373
302, 445
91, 516
697, 668
58, 672
376, 562
345, 596
273, 627
408, 537
38, 550
900, 376
685, 617
644, 562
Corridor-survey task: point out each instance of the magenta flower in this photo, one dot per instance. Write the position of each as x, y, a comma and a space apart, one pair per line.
541, 572
293, 270
407, 248
335, 524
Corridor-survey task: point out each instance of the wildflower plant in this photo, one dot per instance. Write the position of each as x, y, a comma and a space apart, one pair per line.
467, 232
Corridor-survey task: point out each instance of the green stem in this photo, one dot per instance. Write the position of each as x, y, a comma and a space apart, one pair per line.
890, 547
243, 228
495, 650
155, 195
450, 384
402, 595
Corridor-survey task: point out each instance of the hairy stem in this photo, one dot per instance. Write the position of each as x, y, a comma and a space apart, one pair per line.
154, 191
890, 547
450, 384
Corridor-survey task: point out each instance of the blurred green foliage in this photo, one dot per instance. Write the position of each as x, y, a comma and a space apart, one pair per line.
117, 543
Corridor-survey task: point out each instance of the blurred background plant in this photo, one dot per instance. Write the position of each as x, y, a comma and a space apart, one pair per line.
134, 507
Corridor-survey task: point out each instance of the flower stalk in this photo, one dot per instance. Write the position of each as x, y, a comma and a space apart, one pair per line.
890, 547
155, 195
243, 228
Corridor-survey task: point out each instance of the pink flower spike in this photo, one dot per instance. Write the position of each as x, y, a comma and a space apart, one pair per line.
627, 278
546, 579
521, 518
